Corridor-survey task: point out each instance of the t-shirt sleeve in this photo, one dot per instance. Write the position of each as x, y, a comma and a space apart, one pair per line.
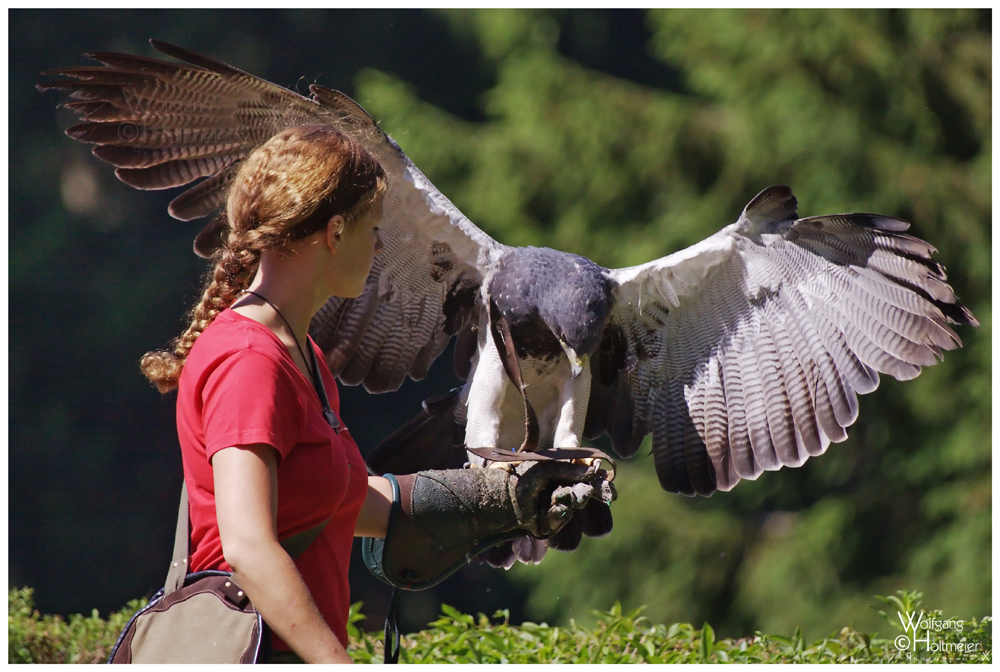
250, 398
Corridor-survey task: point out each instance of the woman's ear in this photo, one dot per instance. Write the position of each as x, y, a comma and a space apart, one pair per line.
334, 232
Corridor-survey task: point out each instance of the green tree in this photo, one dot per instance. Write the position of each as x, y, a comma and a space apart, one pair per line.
880, 111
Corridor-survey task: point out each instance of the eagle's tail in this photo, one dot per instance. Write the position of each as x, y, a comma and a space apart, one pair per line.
432, 440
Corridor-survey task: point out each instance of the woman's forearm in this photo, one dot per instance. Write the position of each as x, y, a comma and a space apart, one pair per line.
270, 579
374, 517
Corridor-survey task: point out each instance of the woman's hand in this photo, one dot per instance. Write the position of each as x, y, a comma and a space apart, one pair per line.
246, 496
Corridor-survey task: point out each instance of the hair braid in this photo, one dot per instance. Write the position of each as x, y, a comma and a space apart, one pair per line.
287, 189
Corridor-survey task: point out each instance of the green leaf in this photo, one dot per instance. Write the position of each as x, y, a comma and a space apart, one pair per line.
706, 643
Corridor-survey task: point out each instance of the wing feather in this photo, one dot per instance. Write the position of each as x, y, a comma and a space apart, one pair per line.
780, 423
744, 462
175, 173
340, 332
760, 436
382, 324
669, 451
164, 124
699, 466
801, 404
818, 366
763, 335
200, 200
716, 428
425, 357
840, 370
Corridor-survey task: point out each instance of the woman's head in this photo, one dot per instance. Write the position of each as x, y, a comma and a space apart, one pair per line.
288, 189
291, 186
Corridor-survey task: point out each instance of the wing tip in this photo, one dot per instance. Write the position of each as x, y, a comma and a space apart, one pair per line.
776, 203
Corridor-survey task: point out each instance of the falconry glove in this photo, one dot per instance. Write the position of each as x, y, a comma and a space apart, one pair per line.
442, 519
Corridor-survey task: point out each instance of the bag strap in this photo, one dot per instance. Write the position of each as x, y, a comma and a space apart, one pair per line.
294, 545
179, 564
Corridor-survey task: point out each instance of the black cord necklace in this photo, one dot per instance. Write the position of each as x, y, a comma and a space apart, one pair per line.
328, 413
287, 324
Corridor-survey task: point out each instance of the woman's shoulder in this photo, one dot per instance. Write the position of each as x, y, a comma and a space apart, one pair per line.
233, 335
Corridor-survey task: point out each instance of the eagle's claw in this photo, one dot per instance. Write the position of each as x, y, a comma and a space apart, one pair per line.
554, 490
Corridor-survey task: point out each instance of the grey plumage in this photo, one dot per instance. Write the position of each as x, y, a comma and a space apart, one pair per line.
546, 295
741, 354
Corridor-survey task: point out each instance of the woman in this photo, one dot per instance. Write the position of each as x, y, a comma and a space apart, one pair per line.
261, 462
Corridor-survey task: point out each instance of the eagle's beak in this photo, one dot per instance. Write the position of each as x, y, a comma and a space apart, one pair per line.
576, 363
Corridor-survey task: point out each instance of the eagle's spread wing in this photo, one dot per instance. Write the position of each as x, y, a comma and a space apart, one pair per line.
745, 352
423, 288
165, 124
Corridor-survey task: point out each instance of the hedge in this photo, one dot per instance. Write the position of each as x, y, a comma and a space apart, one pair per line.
618, 637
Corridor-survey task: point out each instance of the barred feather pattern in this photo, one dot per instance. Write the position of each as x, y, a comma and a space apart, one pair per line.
750, 348
164, 124
432, 263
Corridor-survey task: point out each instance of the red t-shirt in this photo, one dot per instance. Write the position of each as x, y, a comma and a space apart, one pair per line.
238, 387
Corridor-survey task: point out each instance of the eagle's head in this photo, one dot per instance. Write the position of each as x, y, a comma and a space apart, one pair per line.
556, 303
577, 318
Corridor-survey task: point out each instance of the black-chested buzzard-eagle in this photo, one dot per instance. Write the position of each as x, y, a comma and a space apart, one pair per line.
740, 354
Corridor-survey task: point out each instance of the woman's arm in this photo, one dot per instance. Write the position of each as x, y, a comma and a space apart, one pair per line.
246, 489
374, 517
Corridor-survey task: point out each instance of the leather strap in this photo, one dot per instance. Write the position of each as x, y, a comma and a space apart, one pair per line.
392, 640
297, 544
501, 455
504, 342
179, 564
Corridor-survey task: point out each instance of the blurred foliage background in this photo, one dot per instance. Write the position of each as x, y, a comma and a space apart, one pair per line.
619, 135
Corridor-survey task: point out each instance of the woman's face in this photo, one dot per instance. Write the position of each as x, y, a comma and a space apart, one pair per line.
359, 243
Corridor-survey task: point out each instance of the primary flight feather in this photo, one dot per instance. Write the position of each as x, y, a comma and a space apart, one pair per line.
740, 354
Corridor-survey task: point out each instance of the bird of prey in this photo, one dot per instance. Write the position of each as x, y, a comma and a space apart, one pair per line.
741, 354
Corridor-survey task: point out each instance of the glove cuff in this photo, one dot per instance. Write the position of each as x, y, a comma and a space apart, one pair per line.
438, 522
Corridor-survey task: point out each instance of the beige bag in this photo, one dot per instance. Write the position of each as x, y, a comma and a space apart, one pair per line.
198, 623
204, 617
